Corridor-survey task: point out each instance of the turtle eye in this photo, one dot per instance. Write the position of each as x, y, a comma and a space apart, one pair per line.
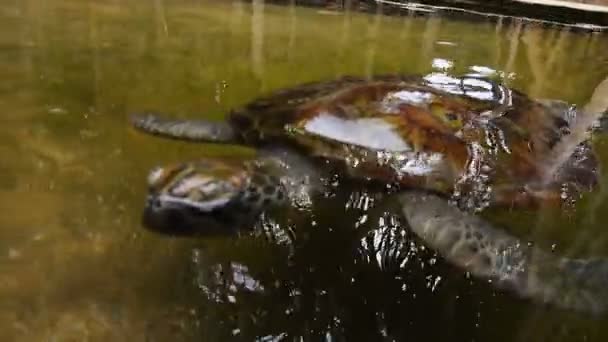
446, 115
451, 119
154, 176
451, 116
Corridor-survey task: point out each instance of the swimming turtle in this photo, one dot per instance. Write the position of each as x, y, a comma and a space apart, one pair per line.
429, 139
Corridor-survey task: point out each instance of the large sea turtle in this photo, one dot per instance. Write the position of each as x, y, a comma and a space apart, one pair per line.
447, 147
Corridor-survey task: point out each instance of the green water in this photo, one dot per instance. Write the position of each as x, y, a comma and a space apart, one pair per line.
75, 263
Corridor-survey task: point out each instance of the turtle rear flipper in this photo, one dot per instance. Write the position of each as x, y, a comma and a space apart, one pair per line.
186, 129
489, 252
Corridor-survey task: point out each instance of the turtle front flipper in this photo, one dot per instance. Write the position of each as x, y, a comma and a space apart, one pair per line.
195, 130
488, 252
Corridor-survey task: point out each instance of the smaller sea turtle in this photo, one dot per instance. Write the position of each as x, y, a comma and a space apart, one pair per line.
466, 138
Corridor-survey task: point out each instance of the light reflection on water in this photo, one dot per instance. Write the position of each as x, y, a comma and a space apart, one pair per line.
75, 262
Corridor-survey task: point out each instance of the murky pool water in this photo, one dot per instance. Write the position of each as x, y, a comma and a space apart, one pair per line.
75, 263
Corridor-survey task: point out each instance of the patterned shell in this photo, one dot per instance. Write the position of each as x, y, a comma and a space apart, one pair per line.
436, 132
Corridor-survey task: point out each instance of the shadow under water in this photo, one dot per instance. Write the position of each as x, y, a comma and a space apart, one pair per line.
76, 264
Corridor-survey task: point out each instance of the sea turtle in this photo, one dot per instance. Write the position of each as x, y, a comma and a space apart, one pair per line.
429, 139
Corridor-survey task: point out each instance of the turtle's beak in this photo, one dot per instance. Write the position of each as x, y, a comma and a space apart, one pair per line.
176, 220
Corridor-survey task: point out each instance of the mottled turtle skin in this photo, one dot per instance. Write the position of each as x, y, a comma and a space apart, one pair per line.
467, 137
430, 138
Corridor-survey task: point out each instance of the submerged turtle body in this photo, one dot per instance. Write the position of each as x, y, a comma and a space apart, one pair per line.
467, 136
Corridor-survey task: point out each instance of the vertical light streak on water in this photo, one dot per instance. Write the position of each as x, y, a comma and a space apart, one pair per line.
236, 16
372, 46
406, 24
559, 47
542, 52
293, 28
344, 35
404, 35
535, 47
94, 39
27, 40
429, 38
594, 42
513, 46
498, 42
161, 19
257, 38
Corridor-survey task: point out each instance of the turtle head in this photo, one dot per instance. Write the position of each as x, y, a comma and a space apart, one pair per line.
209, 197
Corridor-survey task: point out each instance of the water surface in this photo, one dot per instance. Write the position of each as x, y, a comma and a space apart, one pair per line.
75, 263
